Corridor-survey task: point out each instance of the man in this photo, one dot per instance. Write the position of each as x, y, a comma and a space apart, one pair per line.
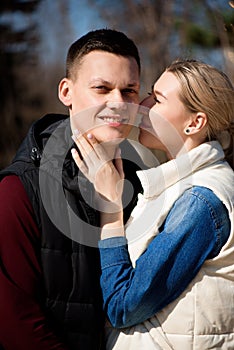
50, 296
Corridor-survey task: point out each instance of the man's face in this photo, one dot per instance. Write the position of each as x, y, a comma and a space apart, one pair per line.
102, 94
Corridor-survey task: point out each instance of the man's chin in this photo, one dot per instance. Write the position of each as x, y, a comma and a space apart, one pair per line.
111, 141
111, 134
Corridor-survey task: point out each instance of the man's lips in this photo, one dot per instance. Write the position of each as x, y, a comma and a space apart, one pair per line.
113, 120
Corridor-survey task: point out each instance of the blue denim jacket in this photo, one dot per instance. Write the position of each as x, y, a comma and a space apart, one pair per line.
171, 261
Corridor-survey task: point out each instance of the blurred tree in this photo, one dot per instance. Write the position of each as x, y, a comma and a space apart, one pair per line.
55, 40
223, 23
166, 29
33, 45
18, 39
149, 23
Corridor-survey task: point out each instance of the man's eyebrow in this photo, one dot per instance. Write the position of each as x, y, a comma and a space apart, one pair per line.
99, 80
134, 83
105, 82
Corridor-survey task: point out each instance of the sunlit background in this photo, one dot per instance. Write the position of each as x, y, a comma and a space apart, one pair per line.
35, 36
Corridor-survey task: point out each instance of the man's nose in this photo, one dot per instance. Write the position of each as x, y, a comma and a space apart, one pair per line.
116, 100
117, 105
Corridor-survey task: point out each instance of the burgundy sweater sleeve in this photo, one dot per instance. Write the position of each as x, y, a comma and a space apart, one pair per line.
22, 322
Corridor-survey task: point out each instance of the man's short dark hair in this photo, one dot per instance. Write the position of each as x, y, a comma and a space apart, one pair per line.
108, 40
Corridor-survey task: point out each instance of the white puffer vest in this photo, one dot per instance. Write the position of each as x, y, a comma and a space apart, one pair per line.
202, 317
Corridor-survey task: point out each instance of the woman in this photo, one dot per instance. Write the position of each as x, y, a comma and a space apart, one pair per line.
168, 275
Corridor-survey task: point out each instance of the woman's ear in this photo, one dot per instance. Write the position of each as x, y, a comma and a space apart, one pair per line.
64, 93
197, 123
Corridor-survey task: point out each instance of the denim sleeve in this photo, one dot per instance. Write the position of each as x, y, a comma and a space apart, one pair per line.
195, 229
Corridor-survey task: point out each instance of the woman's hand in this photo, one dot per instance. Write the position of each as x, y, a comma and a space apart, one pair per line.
106, 176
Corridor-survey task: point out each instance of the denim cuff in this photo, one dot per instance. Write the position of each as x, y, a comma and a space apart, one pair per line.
112, 242
113, 251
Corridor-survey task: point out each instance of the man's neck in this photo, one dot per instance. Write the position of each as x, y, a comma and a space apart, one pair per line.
111, 148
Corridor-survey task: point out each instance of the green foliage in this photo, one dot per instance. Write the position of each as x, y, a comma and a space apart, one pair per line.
198, 35
229, 26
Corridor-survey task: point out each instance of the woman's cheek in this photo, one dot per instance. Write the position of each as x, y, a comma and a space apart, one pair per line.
165, 131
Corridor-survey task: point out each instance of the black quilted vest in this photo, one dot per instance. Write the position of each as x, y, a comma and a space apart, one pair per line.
63, 202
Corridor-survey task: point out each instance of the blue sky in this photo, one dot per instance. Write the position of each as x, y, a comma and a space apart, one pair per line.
59, 32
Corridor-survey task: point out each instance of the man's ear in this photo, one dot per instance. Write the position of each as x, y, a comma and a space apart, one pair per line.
64, 93
198, 122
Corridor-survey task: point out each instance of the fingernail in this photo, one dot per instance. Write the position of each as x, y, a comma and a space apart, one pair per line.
76, 132
75, 135
74, 138
73, 151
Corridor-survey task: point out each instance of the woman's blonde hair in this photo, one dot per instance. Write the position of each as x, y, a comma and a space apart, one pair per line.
205, 88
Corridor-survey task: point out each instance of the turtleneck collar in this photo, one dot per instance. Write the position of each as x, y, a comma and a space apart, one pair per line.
155, 180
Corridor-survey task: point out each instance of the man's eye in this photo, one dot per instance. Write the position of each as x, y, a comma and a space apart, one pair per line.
101, 88
129, 91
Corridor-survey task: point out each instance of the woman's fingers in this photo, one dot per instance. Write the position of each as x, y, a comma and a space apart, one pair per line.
84, 146
87, 159
98, 148
119, 167
94, 163
79, 162
90, 149
87, 145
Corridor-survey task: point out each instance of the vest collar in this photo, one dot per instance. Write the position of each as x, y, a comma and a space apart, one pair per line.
155, 180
